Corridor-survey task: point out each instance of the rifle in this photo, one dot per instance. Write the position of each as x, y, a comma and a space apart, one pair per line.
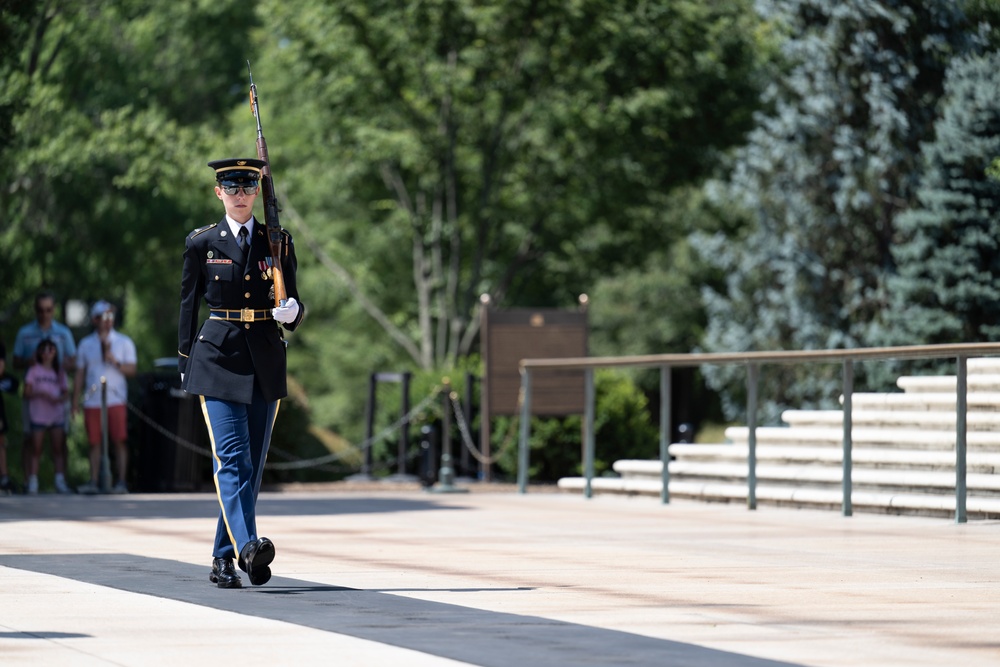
270, 202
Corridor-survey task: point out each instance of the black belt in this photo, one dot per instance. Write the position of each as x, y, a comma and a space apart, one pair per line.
242, 315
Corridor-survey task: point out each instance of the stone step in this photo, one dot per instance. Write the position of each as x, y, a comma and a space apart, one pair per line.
975, 421
981, 401
912, 438
817, 474
986, 382
987, 365
899, 459
861, 501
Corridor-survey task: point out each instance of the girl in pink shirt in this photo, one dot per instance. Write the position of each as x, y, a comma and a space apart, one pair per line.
46, 390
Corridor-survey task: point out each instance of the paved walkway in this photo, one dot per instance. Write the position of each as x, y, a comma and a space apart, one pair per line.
494, 579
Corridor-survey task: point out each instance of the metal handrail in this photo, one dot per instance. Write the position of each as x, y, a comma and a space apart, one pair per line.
753, 360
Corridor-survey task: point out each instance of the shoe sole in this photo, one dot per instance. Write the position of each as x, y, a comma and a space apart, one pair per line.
257, 569
260, 576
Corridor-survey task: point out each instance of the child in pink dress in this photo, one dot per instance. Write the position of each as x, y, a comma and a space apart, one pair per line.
46, 390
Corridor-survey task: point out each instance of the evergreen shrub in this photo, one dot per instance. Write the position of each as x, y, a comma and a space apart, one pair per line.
623, 428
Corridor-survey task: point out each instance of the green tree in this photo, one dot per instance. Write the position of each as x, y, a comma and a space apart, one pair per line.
821, 180
426, 153
986, 15
654, 306
947, 285
111, 108
434, 151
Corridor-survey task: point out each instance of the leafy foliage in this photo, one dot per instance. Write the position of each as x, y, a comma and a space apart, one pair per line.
111, 111
623, 429
425, 152
654, 306
821, 179
946, 286
434, 151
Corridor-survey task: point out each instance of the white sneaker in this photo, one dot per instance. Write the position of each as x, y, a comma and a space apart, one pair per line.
62, 487
89, 488
119, 488
33, 485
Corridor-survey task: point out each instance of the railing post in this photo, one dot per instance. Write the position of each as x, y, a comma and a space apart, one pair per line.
753, 374
588, 433
961, 409
522, 450
368, 465
404, 431
665, 401
848, 461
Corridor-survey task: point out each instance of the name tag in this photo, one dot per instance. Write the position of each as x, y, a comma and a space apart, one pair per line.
218, 261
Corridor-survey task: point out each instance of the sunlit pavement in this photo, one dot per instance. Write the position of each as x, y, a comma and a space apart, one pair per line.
494, 578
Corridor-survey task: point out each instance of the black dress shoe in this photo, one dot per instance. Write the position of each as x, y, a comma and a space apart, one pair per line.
255, 556
224, 574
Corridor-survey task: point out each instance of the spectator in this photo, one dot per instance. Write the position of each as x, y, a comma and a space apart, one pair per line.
8, 385
109, 354
45, 391
45, 327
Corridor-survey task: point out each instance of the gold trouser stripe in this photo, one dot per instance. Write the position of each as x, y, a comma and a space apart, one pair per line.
215, 477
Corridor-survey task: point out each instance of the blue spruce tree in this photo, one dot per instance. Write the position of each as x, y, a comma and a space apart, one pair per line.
947, 285
821, 180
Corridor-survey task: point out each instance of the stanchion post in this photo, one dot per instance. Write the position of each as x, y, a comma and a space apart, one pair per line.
522, 448
588, 433
366, 468
446, 474
464, 464
404, 436
367, 464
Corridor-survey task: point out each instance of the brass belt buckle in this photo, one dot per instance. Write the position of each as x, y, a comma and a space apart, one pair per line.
246, 315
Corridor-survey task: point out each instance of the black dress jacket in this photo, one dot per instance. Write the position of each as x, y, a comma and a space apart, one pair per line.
222, 358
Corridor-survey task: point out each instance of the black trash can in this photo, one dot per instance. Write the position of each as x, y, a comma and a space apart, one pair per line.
168, 436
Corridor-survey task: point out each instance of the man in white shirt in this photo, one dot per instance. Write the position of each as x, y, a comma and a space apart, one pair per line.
109, 354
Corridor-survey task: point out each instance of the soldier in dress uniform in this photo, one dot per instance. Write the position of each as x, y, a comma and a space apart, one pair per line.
235, 359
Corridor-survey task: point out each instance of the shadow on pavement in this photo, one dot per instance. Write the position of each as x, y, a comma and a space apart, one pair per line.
41, 634
474, 636
110, 508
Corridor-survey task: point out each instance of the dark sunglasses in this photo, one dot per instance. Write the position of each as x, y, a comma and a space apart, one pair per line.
248, 190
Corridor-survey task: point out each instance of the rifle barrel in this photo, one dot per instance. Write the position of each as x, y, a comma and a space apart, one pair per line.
270, 200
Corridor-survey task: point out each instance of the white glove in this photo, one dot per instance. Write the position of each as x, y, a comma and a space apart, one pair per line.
286, 313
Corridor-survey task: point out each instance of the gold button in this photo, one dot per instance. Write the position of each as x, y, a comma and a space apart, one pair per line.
201, 338
246, 326
246, 295
216, 277
246, 277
